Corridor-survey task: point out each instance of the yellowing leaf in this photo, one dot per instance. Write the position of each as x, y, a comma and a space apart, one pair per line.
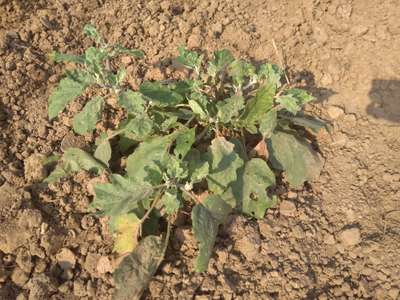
126, 228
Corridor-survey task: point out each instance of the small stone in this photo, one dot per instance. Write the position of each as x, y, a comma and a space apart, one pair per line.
350, 237
66, 259
359, 30
79, 288
194, 41
287, 208
335, 112
329, 239
320, 35
154, 30
292, 195
19, 277
104, 265
394, 293
21, 296
24, 260
40, 266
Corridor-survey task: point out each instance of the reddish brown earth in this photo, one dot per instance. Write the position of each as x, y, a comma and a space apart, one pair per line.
339, 238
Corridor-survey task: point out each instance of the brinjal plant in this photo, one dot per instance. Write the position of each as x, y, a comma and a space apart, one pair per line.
183, 144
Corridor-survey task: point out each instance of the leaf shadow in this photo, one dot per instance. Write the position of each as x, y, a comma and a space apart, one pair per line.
385, 100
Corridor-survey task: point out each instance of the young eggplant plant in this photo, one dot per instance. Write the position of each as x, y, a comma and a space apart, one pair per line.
189, 148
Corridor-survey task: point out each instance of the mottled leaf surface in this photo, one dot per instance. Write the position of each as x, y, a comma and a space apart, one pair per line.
86, 120
136, 270
295, 156
206, 218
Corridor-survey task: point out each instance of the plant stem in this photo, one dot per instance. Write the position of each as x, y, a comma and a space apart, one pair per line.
153, 205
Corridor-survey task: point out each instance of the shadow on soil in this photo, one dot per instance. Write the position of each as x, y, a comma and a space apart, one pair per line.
385, 100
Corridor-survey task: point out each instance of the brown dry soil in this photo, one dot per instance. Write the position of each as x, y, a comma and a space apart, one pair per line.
339, 238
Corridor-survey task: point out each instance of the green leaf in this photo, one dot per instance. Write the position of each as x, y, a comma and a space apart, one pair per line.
86, 120
136, 270
289, 103
301, 96
91, 31
257, 177
229, 108
170, 201
239, 70
295, 156
103, 151
74, 160
199, 105
206, 218
132, 101
138, 128
198, 168
184, 142
175, 168
120, 196
271, 73
257, 107
94, 58
143, 164
268, 123
68, 89
56, 175
62, 57
118, 50
126, 229
224, 163
222, 58
159, 94
189, 59
309, 122
121, 75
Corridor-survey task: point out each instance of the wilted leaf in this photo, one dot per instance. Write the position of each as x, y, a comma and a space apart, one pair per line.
206, 218
224, 162
184, 142
126, 229
86, 120
160, 94
136, 270
229, 108
295, 156
257, 107
268, 123
132, 101
120, 196
103, 151
67, 90
143, 164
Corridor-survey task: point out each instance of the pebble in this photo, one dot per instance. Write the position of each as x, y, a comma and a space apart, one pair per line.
287, 208
19, 277
104, 265
334, 112
359, 30
194, 41
394, 293
329, 239
66, 259
350, 237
